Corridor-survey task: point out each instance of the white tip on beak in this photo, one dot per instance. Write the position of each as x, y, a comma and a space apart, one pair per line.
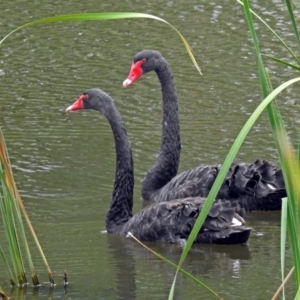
68, 109
126, 82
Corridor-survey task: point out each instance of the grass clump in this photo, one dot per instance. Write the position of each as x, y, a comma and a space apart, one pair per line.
12, 210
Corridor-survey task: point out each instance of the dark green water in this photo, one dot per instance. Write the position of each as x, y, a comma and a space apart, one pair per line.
64, 164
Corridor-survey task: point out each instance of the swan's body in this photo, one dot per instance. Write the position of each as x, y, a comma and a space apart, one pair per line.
169, 222
256, 186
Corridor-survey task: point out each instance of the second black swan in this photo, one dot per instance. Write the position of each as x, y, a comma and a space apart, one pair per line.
169, 222
257, 186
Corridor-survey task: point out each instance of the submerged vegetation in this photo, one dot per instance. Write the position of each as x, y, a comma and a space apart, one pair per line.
12, 208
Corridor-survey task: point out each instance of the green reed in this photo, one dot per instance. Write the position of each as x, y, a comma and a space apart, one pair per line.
102, 17
13, 212
10, 216
289, 160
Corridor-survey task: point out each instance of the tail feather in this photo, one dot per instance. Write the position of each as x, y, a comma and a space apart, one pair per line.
258, 186
238, 235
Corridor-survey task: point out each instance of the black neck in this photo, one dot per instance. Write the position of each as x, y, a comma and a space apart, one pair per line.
120, 210
167, 162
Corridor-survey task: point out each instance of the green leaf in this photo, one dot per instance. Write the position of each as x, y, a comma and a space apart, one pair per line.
284, 209
273, 32
292, 18
105, 16
296, 67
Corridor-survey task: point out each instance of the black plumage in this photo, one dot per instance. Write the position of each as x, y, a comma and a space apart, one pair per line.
256, 186
171, 221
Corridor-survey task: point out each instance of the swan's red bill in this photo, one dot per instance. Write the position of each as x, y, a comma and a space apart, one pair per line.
78, 104
136, 71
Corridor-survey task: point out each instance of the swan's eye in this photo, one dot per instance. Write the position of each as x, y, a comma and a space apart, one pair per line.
85, 96
143, 60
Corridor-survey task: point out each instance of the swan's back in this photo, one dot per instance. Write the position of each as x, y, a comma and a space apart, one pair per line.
257, 186
172, 222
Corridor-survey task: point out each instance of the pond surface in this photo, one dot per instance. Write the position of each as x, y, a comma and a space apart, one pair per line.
64, 163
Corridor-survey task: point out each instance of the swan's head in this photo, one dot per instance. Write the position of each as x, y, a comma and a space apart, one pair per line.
78, 104
92, 99
143, 62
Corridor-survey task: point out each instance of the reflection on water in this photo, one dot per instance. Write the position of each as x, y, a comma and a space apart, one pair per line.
129, 260
220, 262
64, 164
123, 263
37, 293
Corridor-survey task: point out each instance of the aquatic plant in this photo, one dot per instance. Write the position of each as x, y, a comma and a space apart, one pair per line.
12, 210
289, 161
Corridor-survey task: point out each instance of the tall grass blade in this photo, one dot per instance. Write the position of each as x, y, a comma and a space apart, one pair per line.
172, 290
292, 181
16, 203
106, 16
284, 209
7, 267
15, 223
292, 18
295, 67
297, 297
265, 81
273, 32
7, 212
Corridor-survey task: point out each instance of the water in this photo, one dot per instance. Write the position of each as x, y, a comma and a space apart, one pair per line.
64, 163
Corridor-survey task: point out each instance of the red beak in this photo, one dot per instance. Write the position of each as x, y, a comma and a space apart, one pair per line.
135, 72
77, 105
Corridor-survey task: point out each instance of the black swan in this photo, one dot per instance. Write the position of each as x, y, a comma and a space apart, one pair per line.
257, 186
171, 221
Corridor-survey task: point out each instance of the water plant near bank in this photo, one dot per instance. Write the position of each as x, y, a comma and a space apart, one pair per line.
12, 213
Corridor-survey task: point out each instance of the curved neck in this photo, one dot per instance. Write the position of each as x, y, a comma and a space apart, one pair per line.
120, 210
167, 162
